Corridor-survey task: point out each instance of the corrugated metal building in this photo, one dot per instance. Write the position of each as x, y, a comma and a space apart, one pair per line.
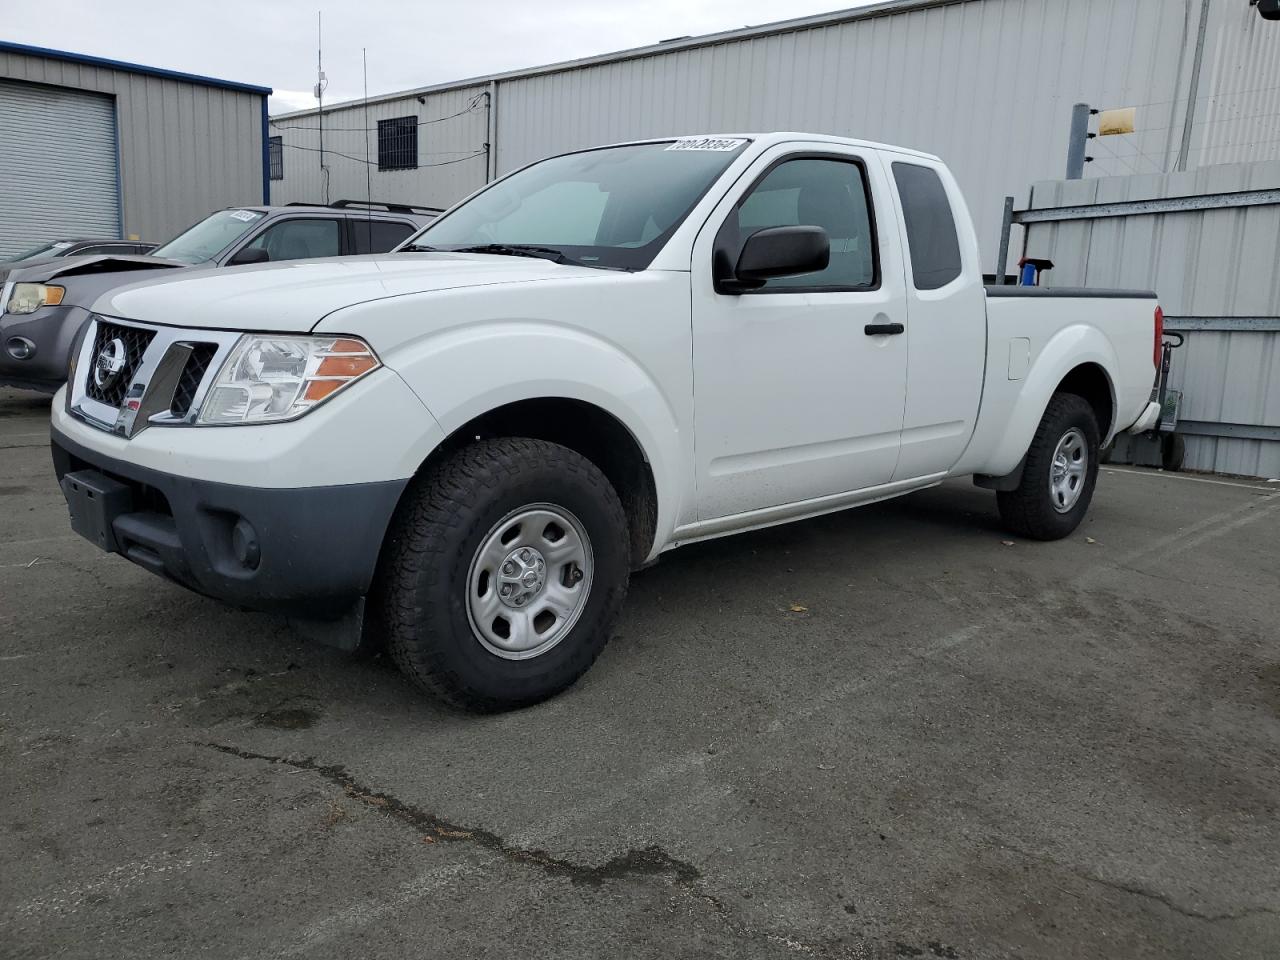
986, 84
99, 148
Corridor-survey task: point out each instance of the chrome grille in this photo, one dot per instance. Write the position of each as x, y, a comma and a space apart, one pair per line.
134, 341
193, 372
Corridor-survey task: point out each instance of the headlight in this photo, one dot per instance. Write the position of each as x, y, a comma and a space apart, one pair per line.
30, 297
278, 378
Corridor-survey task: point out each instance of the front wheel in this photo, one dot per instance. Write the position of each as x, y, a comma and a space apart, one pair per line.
1059, 475
505, 570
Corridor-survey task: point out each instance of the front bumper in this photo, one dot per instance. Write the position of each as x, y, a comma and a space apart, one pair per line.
49, 333
306, 552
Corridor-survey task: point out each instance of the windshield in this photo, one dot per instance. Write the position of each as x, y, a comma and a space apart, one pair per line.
613, 207
37, 252
210, 236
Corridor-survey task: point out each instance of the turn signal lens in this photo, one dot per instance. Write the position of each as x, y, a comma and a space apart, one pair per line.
272, 378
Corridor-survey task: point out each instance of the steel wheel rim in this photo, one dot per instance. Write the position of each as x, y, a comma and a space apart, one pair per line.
1068, 470
529, 581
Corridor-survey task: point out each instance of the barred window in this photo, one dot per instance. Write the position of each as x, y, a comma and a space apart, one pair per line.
398, 144
275, 157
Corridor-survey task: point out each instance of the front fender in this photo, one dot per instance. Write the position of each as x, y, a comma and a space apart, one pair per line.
1012, 410
464, 372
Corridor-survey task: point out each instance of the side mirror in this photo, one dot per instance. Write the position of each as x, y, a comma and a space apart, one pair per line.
778, 252
249, 255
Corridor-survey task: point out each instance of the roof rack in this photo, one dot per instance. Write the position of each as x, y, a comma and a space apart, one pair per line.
380, 204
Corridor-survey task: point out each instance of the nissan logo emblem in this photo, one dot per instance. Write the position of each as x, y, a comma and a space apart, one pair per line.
110, 363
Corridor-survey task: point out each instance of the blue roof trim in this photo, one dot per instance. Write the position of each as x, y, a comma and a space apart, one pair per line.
22, 48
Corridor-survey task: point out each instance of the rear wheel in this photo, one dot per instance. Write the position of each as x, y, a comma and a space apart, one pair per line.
505, 571
1059, 475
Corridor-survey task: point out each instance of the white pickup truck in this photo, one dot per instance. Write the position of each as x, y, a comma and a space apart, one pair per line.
461, 449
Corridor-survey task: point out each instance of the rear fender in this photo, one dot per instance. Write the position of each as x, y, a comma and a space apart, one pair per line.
1071, 347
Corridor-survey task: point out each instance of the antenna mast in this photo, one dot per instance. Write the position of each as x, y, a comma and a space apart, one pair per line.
368, 174
321, 83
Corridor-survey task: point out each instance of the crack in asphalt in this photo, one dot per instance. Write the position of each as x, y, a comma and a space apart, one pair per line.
1135, 889
1172, 904
650, 861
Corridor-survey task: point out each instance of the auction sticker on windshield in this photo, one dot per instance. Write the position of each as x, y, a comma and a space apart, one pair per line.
246, 216
707, 143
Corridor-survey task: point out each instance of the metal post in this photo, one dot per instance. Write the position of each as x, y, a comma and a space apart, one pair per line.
491, 133
1193, 94
1002, 258
1078, 140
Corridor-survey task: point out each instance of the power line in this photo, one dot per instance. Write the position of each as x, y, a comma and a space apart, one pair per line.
1210, 96
1117, 156
347, 156
472, 106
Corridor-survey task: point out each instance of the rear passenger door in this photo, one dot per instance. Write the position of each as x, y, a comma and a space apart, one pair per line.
946, 316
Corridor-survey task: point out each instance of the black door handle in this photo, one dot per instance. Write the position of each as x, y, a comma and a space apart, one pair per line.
873, 329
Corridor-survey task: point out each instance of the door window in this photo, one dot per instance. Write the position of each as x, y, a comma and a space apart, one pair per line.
379, 236
298, 240
811, 191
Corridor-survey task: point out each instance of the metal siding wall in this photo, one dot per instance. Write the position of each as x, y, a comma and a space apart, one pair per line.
446, 170
1239, 115
1206, 263
964, 81
185, 149
985, 84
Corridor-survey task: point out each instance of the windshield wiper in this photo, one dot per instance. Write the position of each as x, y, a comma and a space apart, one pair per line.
519, 250
418, 248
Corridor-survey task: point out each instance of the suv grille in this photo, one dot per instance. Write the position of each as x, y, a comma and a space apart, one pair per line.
197, 366
134, 343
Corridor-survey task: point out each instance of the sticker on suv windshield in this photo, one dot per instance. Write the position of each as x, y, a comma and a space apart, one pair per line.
707, 143
245, 216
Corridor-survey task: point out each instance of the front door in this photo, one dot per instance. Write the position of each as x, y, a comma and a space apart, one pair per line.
797, 397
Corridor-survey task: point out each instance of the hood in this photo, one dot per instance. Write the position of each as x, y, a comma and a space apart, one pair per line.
296, 295
47, 270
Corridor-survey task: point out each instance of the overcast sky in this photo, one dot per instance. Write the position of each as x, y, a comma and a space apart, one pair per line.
410, 44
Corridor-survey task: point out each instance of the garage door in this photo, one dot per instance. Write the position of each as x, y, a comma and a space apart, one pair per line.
57, 165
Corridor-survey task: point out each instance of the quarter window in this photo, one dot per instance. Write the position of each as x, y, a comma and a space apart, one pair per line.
811, 191
398, 144
931, 228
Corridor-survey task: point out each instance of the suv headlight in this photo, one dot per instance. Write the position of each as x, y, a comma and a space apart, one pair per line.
30, 297
268, 378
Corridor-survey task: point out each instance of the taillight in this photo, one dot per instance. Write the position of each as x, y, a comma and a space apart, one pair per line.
1157, 349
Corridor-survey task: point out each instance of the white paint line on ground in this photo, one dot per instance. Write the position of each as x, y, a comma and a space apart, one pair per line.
1164, 475
116, 881
26, 543
364, 912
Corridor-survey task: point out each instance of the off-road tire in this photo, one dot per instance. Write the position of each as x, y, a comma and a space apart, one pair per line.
1028, 510
420, 597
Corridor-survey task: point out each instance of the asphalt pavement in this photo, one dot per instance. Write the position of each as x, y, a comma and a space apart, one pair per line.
892, 732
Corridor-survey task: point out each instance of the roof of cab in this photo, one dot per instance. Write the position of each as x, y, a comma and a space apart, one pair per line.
788, 136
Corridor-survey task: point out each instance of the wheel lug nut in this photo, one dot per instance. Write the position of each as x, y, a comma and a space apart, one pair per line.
508, 567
